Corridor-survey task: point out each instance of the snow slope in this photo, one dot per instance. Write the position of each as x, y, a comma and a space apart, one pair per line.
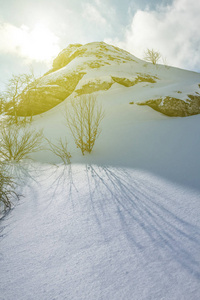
132, 136
98, 232
120, 223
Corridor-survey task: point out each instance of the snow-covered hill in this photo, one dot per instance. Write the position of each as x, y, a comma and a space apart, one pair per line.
82, 69
121, 222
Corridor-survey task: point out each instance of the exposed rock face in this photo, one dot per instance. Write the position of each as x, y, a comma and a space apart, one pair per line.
66, 56
85, 69
94, 86
174, 107
139, 78
103, 85
38, 98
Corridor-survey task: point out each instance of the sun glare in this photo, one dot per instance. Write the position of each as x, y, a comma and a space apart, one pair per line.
40, 44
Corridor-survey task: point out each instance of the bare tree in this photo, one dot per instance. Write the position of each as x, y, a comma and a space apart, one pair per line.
14, 88
152, 56
83, 116
17, 142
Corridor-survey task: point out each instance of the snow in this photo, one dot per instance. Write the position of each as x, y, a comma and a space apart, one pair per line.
120, 223
98, 232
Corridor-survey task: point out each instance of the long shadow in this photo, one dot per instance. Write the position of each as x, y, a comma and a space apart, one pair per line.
140, 203
137, 203
62, 183
117, 196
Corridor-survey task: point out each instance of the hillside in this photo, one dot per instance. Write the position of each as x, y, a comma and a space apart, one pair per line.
96, 67
123, 221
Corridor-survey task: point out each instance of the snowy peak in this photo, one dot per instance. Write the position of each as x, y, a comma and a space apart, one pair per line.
98, 53
96, 67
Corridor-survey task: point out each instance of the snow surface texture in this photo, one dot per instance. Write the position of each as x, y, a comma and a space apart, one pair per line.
97, 232
120, 223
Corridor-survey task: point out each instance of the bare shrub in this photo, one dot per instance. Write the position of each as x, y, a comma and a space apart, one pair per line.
18, 142
164, 59
83, 116
60, 150
12, 93
7, 189
152, 56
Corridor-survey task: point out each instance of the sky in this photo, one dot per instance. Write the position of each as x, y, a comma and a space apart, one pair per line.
33, 32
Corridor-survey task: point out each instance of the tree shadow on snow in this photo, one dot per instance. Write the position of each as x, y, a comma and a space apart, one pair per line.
121, 201
141, 210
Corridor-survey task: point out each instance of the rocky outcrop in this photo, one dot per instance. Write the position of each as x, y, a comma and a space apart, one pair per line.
94, 86
38, 98
131, 82
103, 85
66, 56
175, 107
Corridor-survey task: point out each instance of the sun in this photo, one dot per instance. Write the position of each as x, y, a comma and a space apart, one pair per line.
39, 44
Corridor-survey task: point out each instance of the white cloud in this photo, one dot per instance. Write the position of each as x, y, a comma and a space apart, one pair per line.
98, 2
173, 30
38, 44
91, 13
